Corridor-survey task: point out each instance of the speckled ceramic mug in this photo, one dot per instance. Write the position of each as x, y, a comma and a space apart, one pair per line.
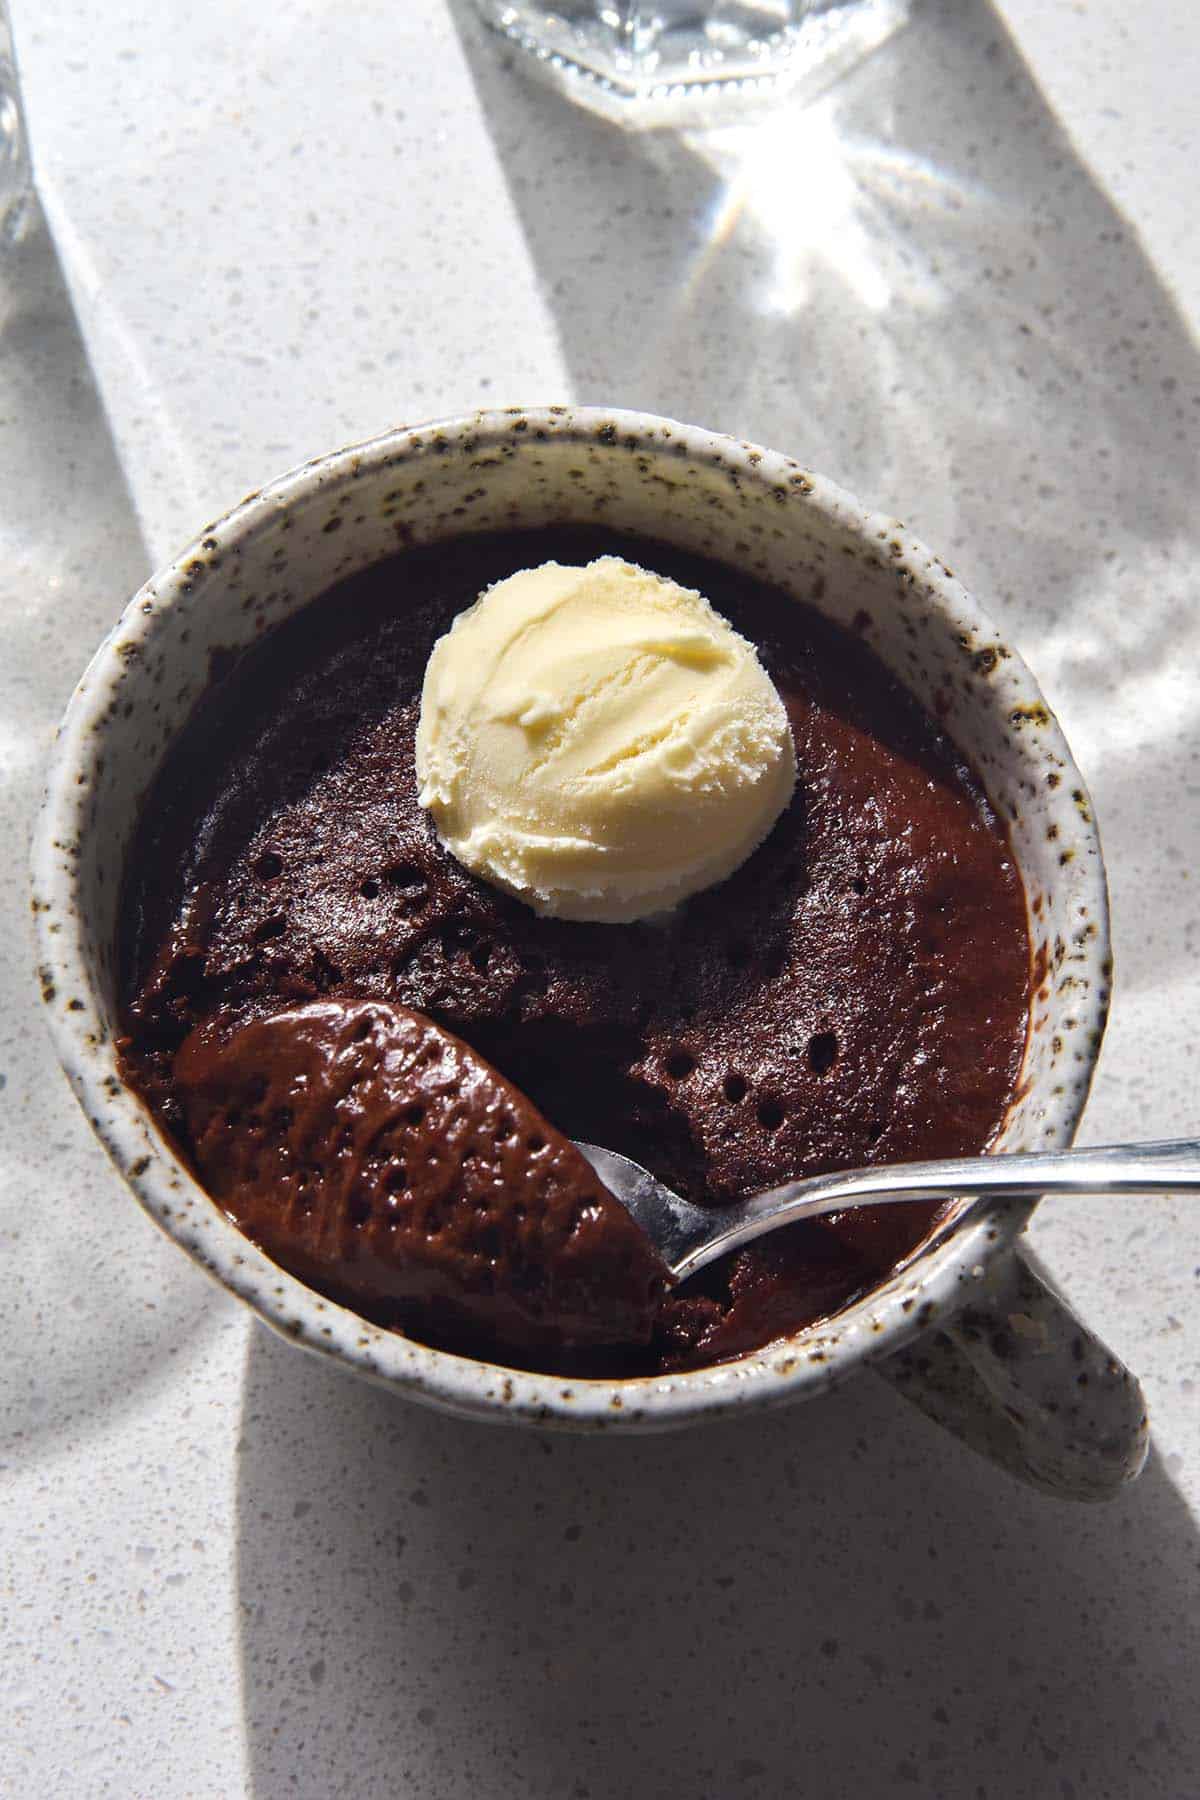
964, 1328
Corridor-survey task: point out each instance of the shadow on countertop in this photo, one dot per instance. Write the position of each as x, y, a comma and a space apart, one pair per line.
834, 1599
914, 284
94, 1313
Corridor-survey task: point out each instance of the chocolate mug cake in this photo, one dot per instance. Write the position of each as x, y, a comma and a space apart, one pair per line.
297, 939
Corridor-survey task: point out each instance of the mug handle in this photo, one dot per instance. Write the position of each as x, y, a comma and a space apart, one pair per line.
1017, 1377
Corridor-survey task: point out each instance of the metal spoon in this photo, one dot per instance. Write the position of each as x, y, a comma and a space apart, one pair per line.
687, 1237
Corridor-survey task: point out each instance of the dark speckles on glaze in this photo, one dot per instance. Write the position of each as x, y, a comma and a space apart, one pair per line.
288, 543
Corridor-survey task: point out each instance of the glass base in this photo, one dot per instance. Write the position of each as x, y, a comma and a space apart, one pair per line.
676, 63
15, 177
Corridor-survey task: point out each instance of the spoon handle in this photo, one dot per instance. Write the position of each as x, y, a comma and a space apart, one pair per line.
1104, 1169
1028, 1174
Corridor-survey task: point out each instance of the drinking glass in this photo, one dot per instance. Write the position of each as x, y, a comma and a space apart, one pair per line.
15, 177
665, 62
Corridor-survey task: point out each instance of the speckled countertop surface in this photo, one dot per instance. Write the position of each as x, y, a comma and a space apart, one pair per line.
967, 285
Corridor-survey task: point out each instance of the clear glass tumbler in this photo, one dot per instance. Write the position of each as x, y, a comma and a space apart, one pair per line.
673, 62
15, 177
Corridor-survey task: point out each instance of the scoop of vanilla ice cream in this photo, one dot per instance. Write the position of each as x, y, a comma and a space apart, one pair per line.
600, 742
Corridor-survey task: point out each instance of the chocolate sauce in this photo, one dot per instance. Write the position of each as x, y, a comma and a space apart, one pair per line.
856, 992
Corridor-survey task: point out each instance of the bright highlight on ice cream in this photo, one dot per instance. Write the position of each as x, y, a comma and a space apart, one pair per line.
599, 742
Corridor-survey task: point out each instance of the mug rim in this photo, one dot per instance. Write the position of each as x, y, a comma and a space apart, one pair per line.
938, 1279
